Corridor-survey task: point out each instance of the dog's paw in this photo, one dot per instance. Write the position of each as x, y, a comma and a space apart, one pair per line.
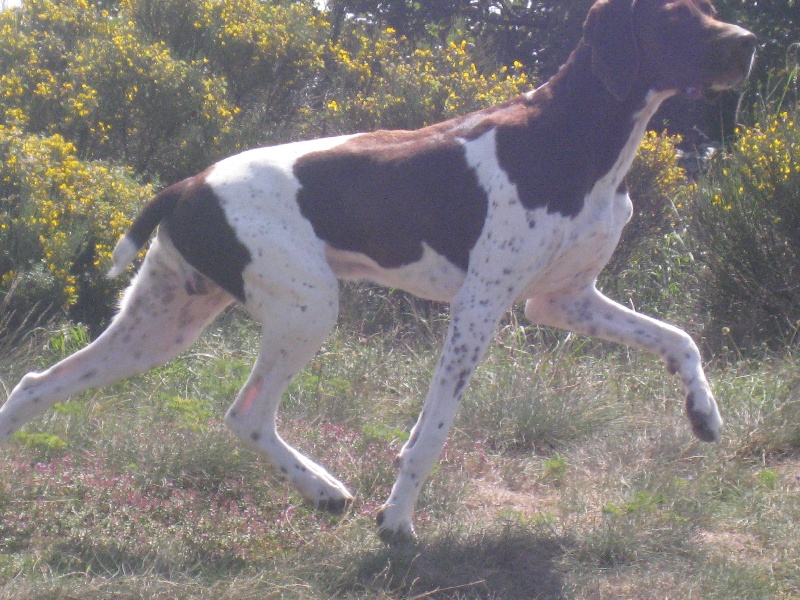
335, 506
319, 488
394, 534
704, 416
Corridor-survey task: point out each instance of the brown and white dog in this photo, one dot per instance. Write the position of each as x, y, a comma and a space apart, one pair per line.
522, 201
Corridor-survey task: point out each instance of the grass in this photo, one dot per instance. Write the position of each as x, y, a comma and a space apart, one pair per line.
571, 473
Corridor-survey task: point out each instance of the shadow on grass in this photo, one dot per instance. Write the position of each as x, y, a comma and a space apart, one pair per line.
513, 563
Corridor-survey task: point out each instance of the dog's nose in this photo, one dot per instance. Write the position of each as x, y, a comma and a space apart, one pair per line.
747, 42
740, 42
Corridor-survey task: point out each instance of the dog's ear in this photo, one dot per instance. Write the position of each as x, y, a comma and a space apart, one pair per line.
608, 31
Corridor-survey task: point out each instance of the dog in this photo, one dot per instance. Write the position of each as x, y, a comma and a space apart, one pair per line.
523, 201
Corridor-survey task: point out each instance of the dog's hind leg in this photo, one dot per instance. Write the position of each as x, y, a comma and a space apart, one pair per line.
162, 313
297, 309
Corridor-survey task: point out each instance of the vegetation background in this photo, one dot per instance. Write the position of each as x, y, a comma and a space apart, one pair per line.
571, 472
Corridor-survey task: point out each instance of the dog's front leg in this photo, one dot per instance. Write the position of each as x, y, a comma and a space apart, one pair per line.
473, 319
589, 312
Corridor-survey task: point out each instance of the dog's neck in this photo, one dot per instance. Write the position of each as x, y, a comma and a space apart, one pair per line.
577, 80
608, 128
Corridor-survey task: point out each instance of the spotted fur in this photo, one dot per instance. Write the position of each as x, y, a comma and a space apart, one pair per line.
524, 201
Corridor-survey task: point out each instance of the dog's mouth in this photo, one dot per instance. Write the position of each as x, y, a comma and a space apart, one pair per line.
701, 91
695, 92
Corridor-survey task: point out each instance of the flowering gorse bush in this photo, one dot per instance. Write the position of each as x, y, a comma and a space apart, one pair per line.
78, 70
768, 158
268, 54
59, 219
166, 88
136, 103
382, 81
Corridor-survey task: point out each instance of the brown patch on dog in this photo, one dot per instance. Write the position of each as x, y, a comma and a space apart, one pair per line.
386, 193
200, 232
572, 133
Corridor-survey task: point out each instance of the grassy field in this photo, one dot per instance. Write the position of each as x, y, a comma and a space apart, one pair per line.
571, 473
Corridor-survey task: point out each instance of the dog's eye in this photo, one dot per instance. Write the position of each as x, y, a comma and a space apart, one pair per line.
678, 12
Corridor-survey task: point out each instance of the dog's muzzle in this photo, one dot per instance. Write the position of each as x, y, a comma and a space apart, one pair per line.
730, 58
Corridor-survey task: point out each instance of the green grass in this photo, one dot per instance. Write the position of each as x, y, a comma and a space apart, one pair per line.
571, 473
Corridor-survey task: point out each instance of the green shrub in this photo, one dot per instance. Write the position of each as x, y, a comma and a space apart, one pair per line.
78, 70
269, 54
747, 222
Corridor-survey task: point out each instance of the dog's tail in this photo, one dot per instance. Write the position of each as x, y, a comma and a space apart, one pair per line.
148, 219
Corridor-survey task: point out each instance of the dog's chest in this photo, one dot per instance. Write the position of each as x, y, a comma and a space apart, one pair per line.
540, 251
557, 253
581, 247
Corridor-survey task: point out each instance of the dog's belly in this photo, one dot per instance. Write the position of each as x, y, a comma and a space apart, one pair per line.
575, 268
562, 254
432, 277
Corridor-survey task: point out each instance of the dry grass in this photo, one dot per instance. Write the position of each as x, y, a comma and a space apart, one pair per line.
571, 473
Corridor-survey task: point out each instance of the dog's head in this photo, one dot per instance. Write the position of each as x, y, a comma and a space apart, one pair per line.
666, 45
